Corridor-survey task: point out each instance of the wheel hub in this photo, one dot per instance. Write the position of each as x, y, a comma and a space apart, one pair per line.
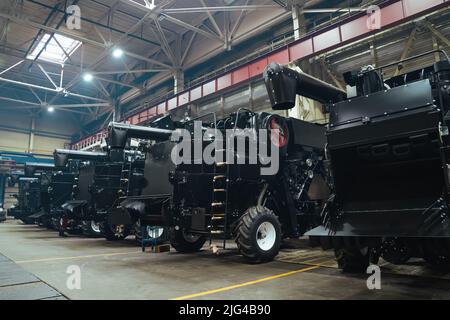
266, 236
95, 226
119, 230
189, 237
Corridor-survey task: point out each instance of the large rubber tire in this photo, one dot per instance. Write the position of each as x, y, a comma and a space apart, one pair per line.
396, 251
186, 243
258, 235
156, 233
354, 260
438, 262
109, 232
91, 229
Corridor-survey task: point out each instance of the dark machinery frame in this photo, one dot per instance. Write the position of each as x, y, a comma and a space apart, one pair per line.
389, 154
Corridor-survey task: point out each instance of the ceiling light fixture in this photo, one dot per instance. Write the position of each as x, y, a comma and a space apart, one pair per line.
88, 77
117, 53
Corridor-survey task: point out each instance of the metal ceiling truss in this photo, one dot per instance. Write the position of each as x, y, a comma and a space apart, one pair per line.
153, 12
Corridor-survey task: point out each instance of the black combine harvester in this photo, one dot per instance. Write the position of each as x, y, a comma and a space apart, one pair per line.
147, 188
389, 154
103, 178
60, 190
232, 199
28, 200
6, 178
33, 197
77, 211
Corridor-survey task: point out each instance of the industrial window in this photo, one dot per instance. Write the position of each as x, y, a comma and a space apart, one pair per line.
58, 49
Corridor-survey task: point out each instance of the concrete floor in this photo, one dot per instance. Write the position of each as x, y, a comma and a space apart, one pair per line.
121, 271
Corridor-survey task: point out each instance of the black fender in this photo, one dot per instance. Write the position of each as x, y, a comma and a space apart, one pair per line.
127, 213
75, 208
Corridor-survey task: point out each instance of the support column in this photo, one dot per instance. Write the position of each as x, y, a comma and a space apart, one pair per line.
179, 81
2, 190
374, 54
31, 138
302, 104
117, 110
299, 21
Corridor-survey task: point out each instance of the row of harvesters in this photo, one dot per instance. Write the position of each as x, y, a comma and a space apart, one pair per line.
372, 183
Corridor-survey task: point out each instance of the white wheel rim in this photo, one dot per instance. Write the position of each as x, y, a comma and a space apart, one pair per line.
95, 226
266, 236
155, 232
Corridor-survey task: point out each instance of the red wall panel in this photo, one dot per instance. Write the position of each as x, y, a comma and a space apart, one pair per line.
196, 93
162, 108
143, 116
183, 98
257, 68
326, 40
354, 28
413, 7
280, 57
224, 82
172, 103
391, 14
300, 50
240, 75
209, 88
153, 111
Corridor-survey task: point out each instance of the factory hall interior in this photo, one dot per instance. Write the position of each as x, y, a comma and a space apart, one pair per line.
225, 150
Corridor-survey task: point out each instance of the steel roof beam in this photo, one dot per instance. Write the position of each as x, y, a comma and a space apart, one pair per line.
77, 37
191, 27
221, 9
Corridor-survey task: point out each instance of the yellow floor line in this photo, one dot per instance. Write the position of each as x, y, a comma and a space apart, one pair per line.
287, 274
321, 265
78, 257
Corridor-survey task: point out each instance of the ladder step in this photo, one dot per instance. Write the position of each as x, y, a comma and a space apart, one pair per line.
217, 218
217, 204
217, 232
219, 177
221, 164
220, 190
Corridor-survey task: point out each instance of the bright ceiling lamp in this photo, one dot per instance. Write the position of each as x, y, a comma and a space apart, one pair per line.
117, 53
58, 49
50, 109
88, 77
